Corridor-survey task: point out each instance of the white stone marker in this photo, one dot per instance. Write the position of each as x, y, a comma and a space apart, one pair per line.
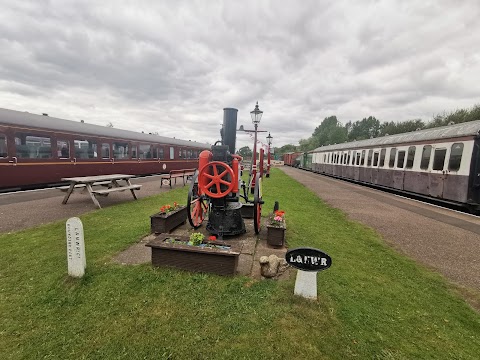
77, 261
306, 284
308, 261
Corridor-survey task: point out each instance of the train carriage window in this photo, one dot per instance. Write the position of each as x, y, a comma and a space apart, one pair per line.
354, 156
426, 153
362, 162
120, 150
189, 154
184, 153
63, 149
144, 151
401, 159
455, 157
410, 157
155, 153
348, 158
439, 159
391, 162
85, 149
105, 151
161, 155
357, 161
375, 158
32, 146
172, 153
134, 152
383, 153
3, 146
369, 157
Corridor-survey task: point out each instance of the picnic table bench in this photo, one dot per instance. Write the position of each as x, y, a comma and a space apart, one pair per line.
111, 181
175, 174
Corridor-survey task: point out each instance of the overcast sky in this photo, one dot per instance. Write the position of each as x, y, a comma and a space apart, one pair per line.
172, 66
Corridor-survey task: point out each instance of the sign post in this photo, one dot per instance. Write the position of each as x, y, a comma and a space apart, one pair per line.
308, 261
76, 259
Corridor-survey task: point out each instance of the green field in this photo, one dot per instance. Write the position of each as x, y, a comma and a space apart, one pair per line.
373, 302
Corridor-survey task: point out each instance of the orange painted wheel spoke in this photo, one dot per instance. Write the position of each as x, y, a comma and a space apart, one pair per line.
224, 182
218, 188
210, 184
223, 174
215, 171
208, 176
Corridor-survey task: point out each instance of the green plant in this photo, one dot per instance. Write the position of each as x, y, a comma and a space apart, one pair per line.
196, 239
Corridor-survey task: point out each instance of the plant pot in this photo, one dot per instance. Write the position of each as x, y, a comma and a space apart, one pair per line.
166, 222
180, 255
276, 235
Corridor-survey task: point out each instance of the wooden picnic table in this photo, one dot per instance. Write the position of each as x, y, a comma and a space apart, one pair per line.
112, 183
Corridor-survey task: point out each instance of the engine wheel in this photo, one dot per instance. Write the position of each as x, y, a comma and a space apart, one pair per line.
197, 206
217, 172
257, 204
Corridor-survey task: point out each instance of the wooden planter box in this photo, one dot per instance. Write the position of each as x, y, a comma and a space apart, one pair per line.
194, 258
164, 223
276, 235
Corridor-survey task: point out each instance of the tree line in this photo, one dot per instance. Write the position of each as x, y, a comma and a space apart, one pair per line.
331, 131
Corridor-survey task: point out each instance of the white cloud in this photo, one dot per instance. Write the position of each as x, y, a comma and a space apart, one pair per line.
172, 67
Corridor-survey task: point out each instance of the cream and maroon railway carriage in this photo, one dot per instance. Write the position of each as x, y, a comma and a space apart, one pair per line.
36, 150
441, 163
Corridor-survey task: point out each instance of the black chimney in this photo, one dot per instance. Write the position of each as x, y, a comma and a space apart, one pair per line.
230, 128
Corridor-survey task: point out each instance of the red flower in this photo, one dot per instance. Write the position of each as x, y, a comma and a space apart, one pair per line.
212, 238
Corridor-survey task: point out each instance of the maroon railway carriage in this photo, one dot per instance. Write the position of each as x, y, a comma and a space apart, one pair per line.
36, 150
290, 158
441, 163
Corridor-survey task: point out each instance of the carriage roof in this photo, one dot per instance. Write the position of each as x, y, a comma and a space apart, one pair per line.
51, 123
471, 128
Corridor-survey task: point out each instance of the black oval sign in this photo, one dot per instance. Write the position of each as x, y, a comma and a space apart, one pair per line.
308, 259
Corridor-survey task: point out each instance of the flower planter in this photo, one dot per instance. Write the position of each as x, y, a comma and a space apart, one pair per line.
180, 255
166, 222
276, 235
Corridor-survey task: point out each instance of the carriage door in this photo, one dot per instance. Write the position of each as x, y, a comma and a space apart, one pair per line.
437, 176
476, 172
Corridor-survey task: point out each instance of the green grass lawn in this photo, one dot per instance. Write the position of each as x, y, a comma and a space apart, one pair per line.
373, 302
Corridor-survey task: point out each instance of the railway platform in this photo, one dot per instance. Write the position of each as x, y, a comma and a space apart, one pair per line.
441, 239
22, 210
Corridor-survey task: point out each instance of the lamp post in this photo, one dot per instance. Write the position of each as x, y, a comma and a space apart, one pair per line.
269, 142
256, 115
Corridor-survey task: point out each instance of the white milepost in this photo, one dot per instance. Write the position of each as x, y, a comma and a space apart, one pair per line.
306, 284
77, 261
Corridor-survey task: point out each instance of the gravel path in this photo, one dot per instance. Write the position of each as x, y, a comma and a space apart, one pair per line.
440, 238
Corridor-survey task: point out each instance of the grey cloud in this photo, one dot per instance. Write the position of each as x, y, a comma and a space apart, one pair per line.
173, 67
